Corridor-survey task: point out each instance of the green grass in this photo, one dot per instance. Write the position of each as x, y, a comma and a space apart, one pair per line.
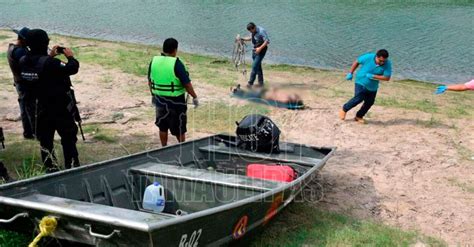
134, 59
22, 157
431, 123
292, 68
4, 37
13, 239
409, 104
465, 186
3, 59
304, 225
419, 96
101, 133
30, 167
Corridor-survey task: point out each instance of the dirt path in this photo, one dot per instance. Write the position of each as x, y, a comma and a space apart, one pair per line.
396, 169
393, 170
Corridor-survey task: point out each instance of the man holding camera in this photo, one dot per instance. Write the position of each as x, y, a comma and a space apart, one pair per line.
26, 98
169, 80
50, 77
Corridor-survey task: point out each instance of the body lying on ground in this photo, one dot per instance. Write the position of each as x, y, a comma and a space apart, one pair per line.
270, 94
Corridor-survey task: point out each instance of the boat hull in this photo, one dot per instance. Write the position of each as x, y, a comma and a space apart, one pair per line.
100, 204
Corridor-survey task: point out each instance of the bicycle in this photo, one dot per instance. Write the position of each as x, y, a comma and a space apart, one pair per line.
238, 54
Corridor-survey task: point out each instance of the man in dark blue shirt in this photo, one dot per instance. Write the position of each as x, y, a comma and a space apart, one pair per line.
260, 41
26, 97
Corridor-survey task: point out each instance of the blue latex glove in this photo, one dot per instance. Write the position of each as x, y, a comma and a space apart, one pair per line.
370, 76
349, 76
441, 89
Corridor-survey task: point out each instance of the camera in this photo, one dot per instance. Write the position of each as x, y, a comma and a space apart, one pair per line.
60, 50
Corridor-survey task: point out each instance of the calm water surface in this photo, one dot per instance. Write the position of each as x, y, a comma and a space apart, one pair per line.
427, 40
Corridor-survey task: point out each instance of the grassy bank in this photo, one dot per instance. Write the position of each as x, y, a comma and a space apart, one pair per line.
402, 94
301, 224
134, 59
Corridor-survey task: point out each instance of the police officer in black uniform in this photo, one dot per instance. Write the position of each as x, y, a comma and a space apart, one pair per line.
26, 98
51, 78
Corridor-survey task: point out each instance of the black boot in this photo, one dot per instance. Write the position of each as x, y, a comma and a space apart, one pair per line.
76, 162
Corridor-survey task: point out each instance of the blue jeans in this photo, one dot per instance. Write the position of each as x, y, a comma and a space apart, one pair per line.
361, 94
257, 67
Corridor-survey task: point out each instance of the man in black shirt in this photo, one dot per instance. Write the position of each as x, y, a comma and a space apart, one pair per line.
50, 77
26, 98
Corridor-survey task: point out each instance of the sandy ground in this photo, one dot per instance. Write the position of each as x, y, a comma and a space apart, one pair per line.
392, 170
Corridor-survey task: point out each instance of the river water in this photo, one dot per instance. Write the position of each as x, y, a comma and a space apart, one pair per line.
427, 40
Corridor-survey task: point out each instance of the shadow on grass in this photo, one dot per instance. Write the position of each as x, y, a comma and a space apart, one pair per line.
431, 123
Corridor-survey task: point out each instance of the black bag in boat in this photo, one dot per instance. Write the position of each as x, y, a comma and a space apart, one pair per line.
258, 133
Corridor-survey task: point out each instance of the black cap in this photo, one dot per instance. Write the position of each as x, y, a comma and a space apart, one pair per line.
37, 38
22, 33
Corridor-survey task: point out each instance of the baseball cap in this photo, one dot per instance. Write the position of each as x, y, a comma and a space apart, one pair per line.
22, 33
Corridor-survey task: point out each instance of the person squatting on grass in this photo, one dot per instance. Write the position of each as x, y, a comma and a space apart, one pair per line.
373, 68
456, 87
260, 41
169, 80
50, 79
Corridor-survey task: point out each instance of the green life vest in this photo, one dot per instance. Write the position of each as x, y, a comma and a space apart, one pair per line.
163, 79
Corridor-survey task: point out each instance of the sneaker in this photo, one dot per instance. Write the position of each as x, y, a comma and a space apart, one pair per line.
342, 114
359, 120
249, 86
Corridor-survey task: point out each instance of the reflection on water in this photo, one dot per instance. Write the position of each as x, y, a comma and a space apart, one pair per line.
428, 40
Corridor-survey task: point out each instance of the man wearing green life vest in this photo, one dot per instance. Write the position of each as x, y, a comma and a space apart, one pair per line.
169, 80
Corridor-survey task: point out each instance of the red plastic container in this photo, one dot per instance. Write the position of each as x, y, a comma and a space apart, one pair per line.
271, 172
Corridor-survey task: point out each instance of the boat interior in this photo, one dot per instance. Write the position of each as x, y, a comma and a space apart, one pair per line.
197, 175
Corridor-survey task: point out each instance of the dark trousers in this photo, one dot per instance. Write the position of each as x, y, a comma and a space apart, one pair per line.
61, 121
27, 103
257, 67
361, 94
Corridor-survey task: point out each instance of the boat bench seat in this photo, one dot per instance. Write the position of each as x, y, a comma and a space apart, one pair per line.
89, 210
205, 176
280, 157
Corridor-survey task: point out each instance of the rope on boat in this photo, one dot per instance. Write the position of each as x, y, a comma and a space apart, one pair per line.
47, 226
